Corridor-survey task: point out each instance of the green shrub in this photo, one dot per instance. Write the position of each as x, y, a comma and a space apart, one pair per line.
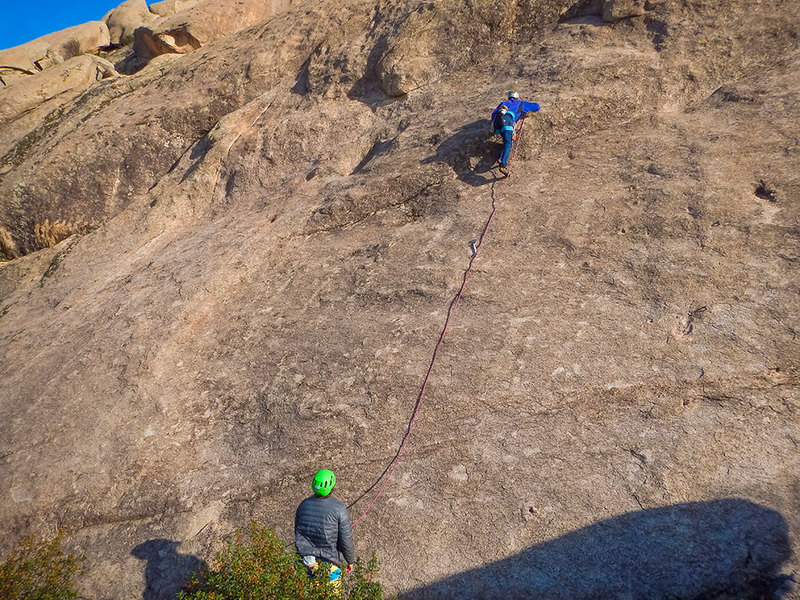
263, 568
39, 570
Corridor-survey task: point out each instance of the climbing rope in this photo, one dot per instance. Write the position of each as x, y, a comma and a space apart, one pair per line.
387, 473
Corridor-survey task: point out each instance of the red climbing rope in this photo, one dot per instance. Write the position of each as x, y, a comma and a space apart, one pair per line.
453, 305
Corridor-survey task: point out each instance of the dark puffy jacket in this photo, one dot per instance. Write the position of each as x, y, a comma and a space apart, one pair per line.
322, 529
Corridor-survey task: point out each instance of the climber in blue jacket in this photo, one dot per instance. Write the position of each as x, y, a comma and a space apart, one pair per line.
504, 120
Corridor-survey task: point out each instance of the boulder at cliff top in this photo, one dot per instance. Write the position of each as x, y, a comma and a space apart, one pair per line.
59, 84
123, 20
170, 7
200, 24
42, 53
25, 61
88, 37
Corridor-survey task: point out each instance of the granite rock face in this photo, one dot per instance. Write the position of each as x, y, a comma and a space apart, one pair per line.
613, 10
231, 268
409, 62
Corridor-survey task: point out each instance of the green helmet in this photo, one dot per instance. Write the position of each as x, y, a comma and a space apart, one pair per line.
512, 95
324, 481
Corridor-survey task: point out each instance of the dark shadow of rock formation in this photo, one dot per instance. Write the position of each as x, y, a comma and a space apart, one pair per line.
166, 571
731, 549
469, 142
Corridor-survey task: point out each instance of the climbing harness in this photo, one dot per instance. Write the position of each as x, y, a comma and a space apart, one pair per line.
475, 248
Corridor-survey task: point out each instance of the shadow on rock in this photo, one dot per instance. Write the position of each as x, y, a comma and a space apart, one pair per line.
166, 572
468, 143
731, 549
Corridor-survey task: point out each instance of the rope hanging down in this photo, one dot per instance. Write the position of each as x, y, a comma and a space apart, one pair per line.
387, 473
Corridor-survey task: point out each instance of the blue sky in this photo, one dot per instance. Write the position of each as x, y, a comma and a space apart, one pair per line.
25, 20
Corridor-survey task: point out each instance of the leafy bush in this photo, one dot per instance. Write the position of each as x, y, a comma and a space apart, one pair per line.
263, 568
39, 570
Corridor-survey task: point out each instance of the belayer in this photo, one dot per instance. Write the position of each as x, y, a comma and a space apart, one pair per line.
504, 120
323, 535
